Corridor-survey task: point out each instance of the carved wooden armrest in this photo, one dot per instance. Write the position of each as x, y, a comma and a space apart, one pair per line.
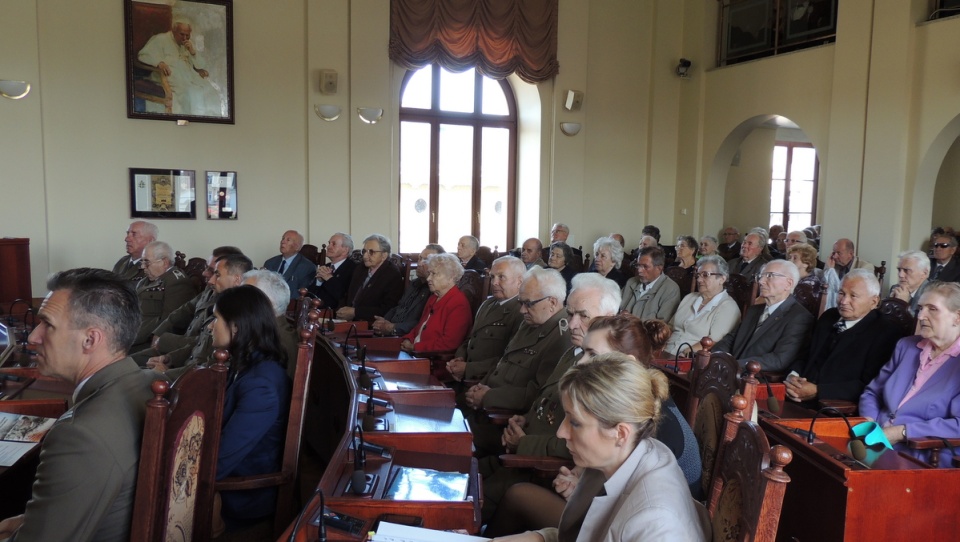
256, 481
848, 408
499, 416
931, 443
543, 464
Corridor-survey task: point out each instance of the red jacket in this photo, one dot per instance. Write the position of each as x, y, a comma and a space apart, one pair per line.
448, 322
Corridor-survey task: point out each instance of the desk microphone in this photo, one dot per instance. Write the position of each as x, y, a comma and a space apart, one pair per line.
296, 526
363, 379
857, 447
369, 419
773, 405
676, 359
358, 481
11, 319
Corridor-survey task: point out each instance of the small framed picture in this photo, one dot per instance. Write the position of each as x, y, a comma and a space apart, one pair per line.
163, 193
222, 195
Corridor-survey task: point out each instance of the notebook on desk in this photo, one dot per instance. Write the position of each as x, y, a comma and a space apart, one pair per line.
392, 532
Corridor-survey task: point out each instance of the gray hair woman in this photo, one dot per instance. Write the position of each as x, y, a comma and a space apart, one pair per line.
707, 312
607, 257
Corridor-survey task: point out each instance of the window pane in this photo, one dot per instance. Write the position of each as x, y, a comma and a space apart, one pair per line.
494, 101
494, 163
803, 165
779, 162
801, 196
456, 181
456, 91
776, 197
799, 221
414, 186
417, 92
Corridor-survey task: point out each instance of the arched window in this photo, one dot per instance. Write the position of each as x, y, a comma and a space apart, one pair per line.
793, 191
458, 154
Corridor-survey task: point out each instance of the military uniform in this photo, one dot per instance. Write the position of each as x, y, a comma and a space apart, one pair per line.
493, 328
179, 331
128, 270
159, 298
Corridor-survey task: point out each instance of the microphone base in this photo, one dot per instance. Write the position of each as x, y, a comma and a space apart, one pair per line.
370, 483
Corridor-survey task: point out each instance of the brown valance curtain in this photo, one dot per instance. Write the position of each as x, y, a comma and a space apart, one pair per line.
497, 37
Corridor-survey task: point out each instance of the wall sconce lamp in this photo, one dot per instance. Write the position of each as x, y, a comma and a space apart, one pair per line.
14, 89
683, 68
370, 115
327, 112
570, 128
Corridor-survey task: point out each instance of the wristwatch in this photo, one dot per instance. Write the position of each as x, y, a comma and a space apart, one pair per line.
903, 432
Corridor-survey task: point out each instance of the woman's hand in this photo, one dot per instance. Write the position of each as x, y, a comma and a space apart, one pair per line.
567, 481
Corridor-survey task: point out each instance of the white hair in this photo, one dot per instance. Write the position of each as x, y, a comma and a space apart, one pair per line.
789, 267
608, 290
513, 263
273, 286
923, 261
611, 244
160, 250
868, 278
550, 282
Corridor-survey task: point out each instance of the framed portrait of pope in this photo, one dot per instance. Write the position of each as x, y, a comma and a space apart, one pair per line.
179, 60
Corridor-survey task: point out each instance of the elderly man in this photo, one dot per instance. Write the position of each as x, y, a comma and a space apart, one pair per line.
776, 333
531, 253
296, 270
139, 235
944, 266
177, 334
376, 287
85, 481
534, 350
535, 432
842, 260
162, 290
651, 294
179, 64
402, 318
498, 319
228, 273
730, 243
913, 269
334, 279
276, 289
467, 248
795, 238
751, 258
849, 346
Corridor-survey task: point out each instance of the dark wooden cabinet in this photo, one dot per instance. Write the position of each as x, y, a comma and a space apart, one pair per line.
15, 270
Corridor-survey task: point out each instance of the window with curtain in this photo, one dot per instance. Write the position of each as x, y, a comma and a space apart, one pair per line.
793, 192
458, 139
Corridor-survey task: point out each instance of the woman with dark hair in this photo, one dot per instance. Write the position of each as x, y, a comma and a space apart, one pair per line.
257, 399
561, 255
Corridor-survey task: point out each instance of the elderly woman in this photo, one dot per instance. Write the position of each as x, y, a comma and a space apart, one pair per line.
708, 245
709, 311
686, 252
560, 257
607, 257
917, 393
804, 257
631, 488
446, 317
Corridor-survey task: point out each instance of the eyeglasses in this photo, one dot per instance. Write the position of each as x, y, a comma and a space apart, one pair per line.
705, 275
366, 251
529, 304
768, 275
941, 245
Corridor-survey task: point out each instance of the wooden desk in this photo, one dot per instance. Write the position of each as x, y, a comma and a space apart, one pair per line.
419, 428
831, 497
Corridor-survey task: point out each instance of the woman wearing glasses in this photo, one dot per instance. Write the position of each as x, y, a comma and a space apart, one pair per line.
707, 312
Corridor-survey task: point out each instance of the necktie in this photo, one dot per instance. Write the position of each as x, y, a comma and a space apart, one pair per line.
936, 272
283, 266
743, 265
840, 326
763, 317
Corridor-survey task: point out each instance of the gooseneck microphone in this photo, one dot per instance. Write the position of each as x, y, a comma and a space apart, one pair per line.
773, 405
857, 448
322, 527
363, 379
358, 481
369, 417
346, 339
296, 526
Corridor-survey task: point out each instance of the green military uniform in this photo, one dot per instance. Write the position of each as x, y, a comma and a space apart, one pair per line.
493, 328
127, 269
179, 331
159, 298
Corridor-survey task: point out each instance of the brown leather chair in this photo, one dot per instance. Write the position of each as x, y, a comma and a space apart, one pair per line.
685, 278
471, 284
178, 457
486, 256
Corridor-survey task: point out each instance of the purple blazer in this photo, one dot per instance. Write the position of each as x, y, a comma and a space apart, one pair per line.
933, 412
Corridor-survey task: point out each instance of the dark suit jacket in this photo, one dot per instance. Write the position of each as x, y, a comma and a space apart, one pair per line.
299, 274
476, 264
950, 272
381, 293
781, 340
729, 253
752, 268
254, 424
842, 364
87, 475
331, 292
617, 276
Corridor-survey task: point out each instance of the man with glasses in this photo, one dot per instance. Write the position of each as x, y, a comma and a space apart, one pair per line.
842, 260
943, 266
162, 290
401, 319
775, 333
374, 288
729, 247
333, 279
139, 234
913, 270
650, 294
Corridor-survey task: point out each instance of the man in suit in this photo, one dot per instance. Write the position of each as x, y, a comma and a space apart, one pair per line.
139, 235
559, 233
334, 279
943, 266
651, 294
842, 260
296, 270
913, 270
531, 252
176, 335
729, 247
402, 318
162, 290
467, 248
751, 258
776, 333
496, 322
376, 287
849, 346
276, 289
87, 474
